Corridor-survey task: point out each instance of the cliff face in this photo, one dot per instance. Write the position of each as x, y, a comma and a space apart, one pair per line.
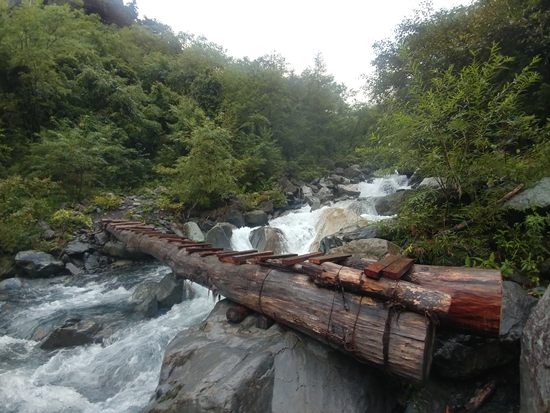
223, 367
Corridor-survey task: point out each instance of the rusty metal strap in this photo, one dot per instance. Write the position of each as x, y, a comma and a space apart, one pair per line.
386, 336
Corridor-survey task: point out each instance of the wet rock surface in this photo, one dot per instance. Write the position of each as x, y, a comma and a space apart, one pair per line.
223, 367
38, 264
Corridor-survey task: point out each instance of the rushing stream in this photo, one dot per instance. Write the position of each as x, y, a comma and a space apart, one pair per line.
121, 374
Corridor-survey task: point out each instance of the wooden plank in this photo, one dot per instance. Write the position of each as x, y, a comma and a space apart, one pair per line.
231, 253
193, 249
195, 245
210, 251
299, 258
274, 257
117, 224
398, 268
241, 258
329, 258
374, 270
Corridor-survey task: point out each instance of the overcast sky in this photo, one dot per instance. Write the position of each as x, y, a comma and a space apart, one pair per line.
343, 31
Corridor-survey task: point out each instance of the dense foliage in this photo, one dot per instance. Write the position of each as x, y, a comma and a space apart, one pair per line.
463, 95
93, 101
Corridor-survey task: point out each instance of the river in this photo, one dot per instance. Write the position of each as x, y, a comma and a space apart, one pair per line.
120, 374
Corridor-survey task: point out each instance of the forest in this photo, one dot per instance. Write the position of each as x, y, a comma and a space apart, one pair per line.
95, 101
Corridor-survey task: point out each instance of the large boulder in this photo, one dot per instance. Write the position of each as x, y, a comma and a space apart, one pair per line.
224, 367
341, 238
169, 291
535, 197
38, 264
535, 359
73, 332
351, 190
516, 308
193, 231
220, 235
77, 248
235, 217
268, 239
256, 218
389, 204
332, 220
372, 248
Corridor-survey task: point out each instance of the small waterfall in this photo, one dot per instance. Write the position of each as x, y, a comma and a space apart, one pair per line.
299, 227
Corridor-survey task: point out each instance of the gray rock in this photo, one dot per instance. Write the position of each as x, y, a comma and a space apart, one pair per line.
144, 290
267, 207
463, 356
220, 235
372, 248
194, 233
324, 195
536, 197
236, 218
306, 191
429, 183
72, 269
38, 264
333, 220
49, 234
313, 202
267, 239
90, 262
351, 190
256, 218
223, 367
148, 307
516, 308
389, 204
353, 171
77, 248
534, 362
287, 186
169, 291
101, 238
11, 284
177, 229
71, 333
341, 238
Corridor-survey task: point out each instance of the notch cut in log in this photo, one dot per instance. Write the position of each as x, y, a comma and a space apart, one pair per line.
411, 296
358, 326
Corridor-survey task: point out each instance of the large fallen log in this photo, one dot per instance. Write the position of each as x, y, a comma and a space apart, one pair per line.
476, 294
398, 342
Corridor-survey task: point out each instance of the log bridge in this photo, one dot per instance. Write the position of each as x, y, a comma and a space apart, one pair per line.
381, 313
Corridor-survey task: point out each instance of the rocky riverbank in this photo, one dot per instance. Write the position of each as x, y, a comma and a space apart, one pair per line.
228, 367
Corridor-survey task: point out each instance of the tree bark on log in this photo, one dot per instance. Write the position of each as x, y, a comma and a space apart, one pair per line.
414, 297
400, 343
476, 294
